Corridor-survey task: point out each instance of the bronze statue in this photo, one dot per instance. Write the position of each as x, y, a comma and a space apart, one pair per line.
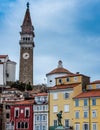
59, 115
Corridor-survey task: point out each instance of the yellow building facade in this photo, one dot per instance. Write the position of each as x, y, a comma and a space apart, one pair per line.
87, 108
61, 98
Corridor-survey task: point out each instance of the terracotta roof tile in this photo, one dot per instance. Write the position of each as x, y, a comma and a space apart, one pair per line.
25, 102
90, 93
3, 56
41, 94
64, 86
71, 75
59, 70
95, 82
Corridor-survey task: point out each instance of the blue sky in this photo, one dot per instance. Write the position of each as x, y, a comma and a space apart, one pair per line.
67, 30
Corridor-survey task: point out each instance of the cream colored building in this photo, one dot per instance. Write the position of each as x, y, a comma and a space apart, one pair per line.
61, 98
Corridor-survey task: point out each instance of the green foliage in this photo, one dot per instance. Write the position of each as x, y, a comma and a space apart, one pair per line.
21, 86
29, 87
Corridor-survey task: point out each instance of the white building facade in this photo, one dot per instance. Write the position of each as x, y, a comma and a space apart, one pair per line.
7, 70
57, 72
40, 111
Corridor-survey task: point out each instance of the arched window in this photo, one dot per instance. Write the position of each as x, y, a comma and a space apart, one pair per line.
22, 125
18, 124
60, 81
26, 124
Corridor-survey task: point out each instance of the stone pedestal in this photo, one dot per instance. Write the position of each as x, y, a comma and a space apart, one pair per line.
60, 128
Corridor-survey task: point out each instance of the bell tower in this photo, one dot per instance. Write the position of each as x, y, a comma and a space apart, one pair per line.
26, 49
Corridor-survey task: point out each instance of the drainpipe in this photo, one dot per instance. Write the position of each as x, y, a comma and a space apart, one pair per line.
48, 109
89, 115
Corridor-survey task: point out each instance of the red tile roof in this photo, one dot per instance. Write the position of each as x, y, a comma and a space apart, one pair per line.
59, 70
95, 82
26, 102
64, 86
41, 94
90, 93
71, 75
3, 56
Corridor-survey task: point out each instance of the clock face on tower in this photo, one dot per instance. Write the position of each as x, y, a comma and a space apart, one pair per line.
26, 55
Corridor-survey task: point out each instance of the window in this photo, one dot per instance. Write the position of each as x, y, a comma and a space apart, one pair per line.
35, 108
26, 124
97, 86
19, 125
85, 126
55, 96
44, 117
12, 123
44, 107
94, 102
94, 126
77, 126
90, 87
37, 128
44, 127
55, 108
27, 112
85, 114
66, 95
40, 117
38, 108
37, 117
66, 123
22, 125
7, 106
55, 122
8, 126
16, 112
38, 99
76, 102
94, 113
28, 38
60, 81
67, 79
77, 114
85, 102
66, 108
23, 38
45, 99
50, 81
75, 78
7, 115
7, 74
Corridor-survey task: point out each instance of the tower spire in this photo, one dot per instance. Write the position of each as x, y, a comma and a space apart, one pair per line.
27, 27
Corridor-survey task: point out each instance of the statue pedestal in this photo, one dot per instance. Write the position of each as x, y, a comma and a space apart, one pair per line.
60, 128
